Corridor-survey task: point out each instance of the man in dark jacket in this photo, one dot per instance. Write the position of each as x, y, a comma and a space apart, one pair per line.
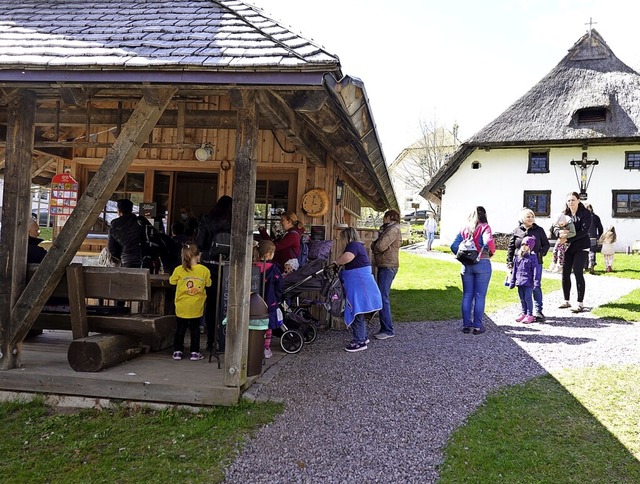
528, 227
124, 236
35, 253
595, 232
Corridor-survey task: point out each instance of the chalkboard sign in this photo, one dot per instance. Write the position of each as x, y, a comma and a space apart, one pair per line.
318, 232
256, 281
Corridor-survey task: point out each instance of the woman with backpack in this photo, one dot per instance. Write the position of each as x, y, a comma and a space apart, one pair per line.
475, 276
287, 246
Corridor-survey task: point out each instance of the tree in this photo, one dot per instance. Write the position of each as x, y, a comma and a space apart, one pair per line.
413, 168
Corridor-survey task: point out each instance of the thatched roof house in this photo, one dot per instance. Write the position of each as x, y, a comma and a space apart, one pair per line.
589, 101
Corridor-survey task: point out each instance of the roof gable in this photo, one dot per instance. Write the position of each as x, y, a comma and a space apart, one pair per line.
589, 76
149, 34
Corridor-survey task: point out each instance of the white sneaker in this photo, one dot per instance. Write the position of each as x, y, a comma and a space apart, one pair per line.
268, 353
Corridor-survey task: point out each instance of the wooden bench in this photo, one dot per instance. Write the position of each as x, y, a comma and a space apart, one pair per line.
124, 333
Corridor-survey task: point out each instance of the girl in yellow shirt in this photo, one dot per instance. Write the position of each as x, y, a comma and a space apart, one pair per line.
191, 278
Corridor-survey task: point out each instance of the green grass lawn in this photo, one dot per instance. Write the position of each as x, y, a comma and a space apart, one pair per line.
40, 444
431, 289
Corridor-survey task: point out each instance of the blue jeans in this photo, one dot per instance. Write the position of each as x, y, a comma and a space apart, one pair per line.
526, 299
537, 298
475, 282
359, 329
430, 237
385, 278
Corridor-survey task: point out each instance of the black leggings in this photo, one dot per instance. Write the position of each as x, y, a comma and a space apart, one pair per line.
576, 261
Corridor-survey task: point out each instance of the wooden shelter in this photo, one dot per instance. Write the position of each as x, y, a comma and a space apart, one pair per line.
121, 96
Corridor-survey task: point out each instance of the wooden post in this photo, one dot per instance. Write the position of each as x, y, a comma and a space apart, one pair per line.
16, 208
133, 135
79, 321
244, 190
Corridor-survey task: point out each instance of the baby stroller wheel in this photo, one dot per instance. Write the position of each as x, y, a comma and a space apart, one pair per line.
310, 333
291, 341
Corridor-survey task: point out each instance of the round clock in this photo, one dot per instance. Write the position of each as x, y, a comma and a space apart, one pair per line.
315, 202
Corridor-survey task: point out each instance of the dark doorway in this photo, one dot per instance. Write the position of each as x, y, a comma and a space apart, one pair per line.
197, 192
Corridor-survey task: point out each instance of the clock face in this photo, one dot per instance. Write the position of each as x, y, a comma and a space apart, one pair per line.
315, 202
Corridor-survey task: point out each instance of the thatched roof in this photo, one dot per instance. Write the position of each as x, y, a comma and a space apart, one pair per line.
590, 77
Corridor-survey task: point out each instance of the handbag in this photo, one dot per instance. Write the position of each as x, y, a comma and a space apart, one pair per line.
467, 252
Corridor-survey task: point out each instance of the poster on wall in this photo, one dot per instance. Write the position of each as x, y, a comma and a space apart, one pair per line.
64, 195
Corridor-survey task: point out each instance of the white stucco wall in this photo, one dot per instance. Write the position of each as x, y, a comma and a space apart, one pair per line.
502, 178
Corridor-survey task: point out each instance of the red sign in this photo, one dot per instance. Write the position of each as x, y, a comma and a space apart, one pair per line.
64, 194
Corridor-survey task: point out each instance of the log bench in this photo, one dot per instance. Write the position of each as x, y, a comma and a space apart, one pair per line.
123, 334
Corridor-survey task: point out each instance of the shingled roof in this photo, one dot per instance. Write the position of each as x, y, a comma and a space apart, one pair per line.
188, 42
589, 78
148, 34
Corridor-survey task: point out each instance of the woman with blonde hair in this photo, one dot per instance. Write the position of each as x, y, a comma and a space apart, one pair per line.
360, 289
528, 228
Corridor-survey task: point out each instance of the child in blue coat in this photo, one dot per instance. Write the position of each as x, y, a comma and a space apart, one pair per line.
526, 276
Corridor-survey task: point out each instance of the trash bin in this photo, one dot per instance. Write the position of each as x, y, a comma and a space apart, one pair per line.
255, 354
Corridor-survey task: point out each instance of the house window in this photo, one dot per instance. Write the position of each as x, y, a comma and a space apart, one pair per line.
538, 162
626, 203
275, 194
632, 160
539, 202
592, 115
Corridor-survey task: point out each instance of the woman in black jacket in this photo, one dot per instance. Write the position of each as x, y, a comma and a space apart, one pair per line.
528, 227
578, 251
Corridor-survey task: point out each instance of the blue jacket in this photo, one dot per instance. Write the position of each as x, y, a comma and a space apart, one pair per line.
526, 271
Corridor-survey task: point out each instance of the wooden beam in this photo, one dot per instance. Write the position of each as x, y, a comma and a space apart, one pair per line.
193, 119
284, 119
40, 164
113, 168
244, 183
16, 213
76, 96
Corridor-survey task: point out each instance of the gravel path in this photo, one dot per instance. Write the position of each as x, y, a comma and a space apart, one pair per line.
385, 414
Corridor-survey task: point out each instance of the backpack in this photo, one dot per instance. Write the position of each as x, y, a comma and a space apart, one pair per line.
303, 253
152, 245
221, 246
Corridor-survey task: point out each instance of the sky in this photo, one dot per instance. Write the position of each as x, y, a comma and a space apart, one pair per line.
446, 62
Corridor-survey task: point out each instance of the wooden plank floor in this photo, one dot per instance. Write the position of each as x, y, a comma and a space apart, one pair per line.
153, 377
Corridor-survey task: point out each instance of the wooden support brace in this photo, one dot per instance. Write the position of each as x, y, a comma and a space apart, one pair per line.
79, 321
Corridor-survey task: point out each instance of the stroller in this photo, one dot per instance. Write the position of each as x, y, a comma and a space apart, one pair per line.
299, 325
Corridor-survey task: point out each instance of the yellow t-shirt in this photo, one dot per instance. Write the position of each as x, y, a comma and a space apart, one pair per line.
190, 290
